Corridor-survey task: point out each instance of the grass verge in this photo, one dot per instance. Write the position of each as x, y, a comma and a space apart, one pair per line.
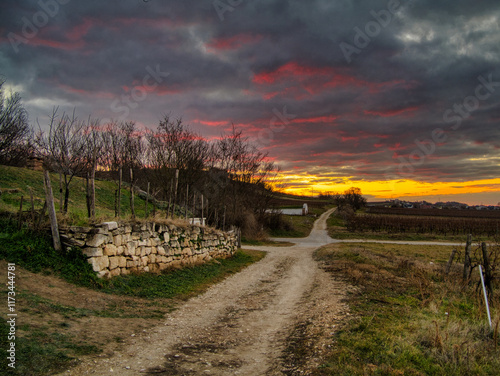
409, 317
297, 226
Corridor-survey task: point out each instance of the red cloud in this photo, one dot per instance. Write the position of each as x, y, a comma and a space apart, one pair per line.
211, 123
233, 42
300, 80
390, 113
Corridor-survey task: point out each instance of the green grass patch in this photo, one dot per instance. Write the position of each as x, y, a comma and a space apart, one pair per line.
408, 317
41, 353
34, 252
16, 182
270, 243
298, 226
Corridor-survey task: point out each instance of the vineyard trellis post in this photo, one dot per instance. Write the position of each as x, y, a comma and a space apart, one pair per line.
20, 219
467, 261
487, 268
132, 193
147, 197
32, 207
450, 261
119, 198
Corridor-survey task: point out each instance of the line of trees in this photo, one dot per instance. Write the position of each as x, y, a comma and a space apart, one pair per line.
228, 178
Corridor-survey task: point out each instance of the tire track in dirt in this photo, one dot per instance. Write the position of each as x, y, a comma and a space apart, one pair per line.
238, 327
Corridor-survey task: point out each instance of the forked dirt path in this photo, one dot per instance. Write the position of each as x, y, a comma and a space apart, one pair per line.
241, 326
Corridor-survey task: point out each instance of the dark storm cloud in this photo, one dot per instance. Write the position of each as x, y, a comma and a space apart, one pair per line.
361, 116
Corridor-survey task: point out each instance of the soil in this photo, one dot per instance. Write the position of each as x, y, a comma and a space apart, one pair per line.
276, 317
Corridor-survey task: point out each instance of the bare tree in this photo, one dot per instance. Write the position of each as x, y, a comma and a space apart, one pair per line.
173, 147
14, 127
123, 149
93, 155
243, 183
62, 147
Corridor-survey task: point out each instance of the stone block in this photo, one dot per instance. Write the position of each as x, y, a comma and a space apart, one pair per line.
92, 252
152, 258
95, 240
124, 271
110, 225
103, 274
110, 250
187, 252
160, 250
122, 262
120, 250
117, 240
131, 248
166, 237
114, 273
145, 260
114, 262
154, 268
99, 263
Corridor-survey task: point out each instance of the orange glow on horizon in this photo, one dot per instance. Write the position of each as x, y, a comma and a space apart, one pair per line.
309, 184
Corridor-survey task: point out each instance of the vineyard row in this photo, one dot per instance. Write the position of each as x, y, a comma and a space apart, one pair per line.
423, 225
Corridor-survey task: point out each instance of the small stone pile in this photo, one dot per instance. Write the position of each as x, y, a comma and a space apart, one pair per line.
115, 248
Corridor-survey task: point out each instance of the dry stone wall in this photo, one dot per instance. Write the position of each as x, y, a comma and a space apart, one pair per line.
115, 248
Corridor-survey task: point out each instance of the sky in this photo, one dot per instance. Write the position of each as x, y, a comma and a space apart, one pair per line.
398, 98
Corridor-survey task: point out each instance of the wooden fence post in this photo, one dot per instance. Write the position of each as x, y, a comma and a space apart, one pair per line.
20, 219
119, 199
49, 198
176, 184
487, 268
147, 197
202, 221
61, 203
467, 258
450, 261
132, 193
187, 195
32, 207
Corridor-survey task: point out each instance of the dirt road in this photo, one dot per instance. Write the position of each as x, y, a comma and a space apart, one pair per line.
243, 325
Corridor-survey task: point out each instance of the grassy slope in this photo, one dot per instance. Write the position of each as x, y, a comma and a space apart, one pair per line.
16, 182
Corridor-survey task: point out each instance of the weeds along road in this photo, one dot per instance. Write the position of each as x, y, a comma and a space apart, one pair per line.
240, 326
